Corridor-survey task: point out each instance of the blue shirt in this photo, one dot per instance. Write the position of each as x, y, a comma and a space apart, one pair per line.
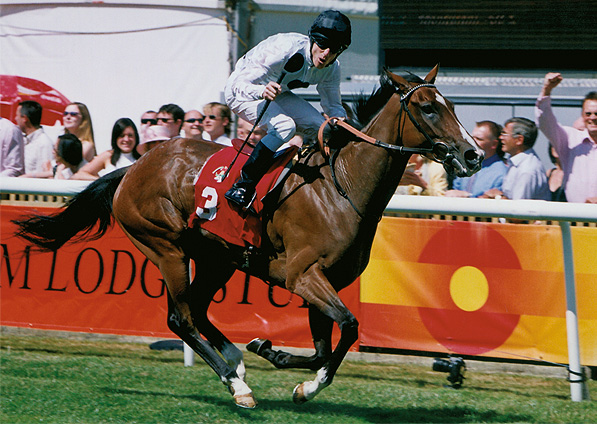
490, 176
526, 177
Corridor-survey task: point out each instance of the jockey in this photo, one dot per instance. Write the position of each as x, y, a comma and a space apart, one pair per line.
253, 82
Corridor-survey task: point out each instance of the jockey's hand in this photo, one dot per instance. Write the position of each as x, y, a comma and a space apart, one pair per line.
272, 89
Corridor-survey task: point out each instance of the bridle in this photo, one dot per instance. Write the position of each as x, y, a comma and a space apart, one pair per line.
439, 151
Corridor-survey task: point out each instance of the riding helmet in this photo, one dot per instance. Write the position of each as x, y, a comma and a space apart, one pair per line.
331, 29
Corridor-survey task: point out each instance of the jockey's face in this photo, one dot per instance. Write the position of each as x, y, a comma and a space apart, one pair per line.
322, 57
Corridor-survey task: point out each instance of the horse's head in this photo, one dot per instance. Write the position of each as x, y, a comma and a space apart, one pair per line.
431, 124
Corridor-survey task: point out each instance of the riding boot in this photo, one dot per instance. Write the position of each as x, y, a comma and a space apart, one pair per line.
243, 190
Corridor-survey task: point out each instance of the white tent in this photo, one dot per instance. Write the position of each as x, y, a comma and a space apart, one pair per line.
123, 57
120, 58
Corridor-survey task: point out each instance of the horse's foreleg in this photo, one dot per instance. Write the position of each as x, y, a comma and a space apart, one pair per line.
314, 287
321, 330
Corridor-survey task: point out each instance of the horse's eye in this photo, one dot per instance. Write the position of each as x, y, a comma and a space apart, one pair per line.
427, 108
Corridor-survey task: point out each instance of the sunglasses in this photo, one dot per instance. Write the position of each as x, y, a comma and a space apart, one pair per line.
324, 43
71, 113
165, 120
212, 117
192, 120
149, 121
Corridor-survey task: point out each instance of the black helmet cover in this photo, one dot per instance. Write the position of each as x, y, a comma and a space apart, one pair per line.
331, 29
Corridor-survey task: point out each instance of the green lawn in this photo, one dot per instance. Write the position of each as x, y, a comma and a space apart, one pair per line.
58, 380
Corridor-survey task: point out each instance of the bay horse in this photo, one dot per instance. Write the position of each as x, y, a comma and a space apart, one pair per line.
317, 234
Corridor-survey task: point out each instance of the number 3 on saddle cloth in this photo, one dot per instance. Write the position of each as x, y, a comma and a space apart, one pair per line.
215, 214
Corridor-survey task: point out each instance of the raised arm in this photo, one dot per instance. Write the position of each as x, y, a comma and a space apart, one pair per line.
544, 116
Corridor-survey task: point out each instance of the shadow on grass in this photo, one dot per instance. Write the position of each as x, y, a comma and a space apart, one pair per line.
343, 412
409, 381
518, 392
152, 356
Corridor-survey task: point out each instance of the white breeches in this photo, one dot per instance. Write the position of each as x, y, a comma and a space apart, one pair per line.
285, 116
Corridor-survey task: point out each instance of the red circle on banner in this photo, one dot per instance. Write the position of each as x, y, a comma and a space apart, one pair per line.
470, 245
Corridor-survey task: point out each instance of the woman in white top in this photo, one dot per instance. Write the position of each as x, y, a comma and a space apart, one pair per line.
77, 121
125, 139
68, 153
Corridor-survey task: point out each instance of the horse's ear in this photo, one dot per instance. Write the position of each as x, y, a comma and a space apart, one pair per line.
430, 78
400, 83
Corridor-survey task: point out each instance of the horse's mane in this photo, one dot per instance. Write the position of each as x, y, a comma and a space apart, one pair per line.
366, 107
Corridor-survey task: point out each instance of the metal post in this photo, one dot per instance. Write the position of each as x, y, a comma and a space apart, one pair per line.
578, 388
189, 354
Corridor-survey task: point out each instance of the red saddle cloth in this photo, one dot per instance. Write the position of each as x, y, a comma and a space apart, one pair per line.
214, 213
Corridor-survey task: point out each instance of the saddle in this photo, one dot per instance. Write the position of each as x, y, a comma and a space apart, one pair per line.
215, 214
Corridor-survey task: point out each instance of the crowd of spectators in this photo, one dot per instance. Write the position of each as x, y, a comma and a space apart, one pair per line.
28, 152
511, 168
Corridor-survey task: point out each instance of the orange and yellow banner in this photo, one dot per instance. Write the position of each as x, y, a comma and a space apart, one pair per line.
108, 286
467, 288
474, 288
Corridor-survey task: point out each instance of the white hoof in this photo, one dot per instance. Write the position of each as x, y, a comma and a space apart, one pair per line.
298, 395
309, 389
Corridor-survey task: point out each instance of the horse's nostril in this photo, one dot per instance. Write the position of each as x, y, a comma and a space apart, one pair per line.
472, 158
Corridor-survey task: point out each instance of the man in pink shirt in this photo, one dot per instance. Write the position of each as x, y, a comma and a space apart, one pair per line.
577, 148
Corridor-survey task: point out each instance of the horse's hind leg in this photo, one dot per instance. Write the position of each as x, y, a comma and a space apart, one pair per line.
174, 267
180, 321
321, 330
204, 287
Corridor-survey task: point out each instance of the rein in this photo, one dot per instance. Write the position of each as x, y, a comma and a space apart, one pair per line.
439, 150
364, 137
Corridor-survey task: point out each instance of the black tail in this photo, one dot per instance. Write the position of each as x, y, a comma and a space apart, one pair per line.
80, 214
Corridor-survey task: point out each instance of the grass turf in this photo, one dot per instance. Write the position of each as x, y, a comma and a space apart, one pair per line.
58, 380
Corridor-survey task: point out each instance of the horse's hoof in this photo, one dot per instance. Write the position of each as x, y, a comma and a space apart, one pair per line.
259, 345
245, 401
298, 395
